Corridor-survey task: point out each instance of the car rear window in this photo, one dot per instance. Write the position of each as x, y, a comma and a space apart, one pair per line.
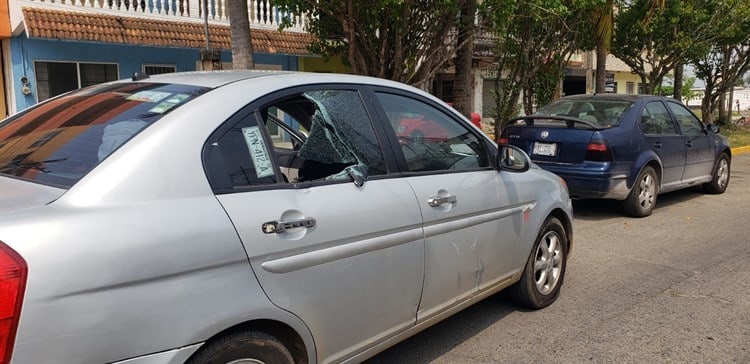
603, 113
57, 142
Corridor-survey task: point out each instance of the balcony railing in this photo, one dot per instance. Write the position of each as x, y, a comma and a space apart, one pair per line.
261, 12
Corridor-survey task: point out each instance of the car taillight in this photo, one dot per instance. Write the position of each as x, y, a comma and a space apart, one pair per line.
13, 271
599, 151
502, 140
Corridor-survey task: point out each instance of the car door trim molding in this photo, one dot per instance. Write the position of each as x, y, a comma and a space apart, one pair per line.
341, 251
356, 247
464, 221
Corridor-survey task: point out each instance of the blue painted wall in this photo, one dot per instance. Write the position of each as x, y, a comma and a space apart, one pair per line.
25, 51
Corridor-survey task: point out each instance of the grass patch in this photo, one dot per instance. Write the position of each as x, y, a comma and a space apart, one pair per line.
739, 136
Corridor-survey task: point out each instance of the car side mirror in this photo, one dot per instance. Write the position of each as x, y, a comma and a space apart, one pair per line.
513, 159
712, 128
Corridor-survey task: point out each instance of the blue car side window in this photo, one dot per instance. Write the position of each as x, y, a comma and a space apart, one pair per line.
689, 124
656, 120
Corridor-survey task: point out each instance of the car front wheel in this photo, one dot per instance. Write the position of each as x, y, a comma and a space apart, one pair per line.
642, 198
545, 269
720, 179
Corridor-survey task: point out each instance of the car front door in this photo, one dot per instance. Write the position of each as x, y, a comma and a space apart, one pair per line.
700, 150
664, 139
471, 216
345, 257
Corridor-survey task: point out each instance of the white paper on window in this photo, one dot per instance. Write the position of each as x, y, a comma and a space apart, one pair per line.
258, 151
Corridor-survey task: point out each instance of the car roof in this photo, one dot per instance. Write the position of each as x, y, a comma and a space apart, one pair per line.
214, 79
624, 97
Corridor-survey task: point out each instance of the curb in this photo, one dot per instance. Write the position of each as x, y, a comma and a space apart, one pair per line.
740, 150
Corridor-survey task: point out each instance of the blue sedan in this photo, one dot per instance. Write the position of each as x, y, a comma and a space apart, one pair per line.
624, 147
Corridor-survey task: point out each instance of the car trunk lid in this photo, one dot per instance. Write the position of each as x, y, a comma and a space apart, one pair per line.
18, 194
555, 141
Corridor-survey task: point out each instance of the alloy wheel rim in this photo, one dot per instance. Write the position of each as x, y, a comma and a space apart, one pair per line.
247, 361
723, 173
648, 189
548, 263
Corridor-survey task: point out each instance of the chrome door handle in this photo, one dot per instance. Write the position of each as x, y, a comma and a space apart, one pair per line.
439, 201
278, 227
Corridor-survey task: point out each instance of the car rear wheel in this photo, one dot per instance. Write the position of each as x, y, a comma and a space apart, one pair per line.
720, 179
245, 347
642, 197
545, 269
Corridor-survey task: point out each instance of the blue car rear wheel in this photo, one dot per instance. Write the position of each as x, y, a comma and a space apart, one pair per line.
642, 197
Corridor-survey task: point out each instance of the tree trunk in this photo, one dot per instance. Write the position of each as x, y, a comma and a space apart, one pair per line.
678, 72
723, 108
724, 86
706, 111
528, 100
242, 44
462, 84
647, 88
601, 68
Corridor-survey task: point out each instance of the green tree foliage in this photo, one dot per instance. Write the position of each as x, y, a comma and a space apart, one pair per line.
727, 62
402, 40
680, 31
603, 17
687, 89
535, 40
720, 71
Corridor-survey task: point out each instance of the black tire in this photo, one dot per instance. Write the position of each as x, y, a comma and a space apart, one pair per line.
545, 269
243, 345
642, 198
720, 179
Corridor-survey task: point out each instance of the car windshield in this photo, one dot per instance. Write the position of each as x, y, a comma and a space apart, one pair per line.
603, 113
59, 141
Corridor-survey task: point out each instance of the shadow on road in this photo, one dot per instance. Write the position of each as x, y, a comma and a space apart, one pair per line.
595, 210
437, 340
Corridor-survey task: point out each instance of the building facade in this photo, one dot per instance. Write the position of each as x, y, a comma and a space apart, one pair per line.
55, 47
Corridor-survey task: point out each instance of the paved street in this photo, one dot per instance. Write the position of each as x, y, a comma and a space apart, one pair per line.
673, 287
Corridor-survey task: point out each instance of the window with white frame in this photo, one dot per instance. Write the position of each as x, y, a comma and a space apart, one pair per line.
55, 78
156, 69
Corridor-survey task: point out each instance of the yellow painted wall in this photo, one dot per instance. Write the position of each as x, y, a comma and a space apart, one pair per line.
318, 64
622, 79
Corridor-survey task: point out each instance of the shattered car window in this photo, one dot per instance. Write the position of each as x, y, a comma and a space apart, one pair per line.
341, 143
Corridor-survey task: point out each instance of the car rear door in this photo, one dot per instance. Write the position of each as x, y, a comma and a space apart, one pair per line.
347, 258
663, 138
472, 216
700, 151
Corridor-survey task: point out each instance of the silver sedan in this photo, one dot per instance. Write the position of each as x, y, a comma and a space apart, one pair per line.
259, 217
